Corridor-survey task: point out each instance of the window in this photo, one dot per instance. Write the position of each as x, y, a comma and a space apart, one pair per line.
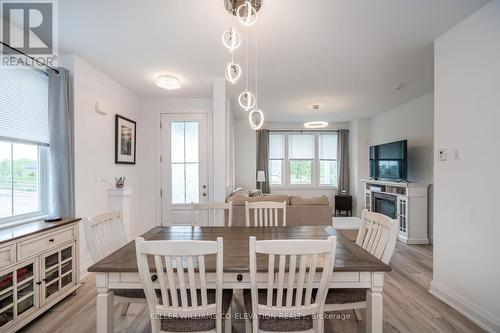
303, 159
276, 158
328, 159
23, 143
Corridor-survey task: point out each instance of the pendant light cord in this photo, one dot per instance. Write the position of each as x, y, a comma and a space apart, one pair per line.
256, 72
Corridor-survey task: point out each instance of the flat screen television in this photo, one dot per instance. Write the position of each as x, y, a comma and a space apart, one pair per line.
389, 161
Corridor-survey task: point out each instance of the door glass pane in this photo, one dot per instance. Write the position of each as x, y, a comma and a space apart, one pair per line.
178, 189
51, 260
25, 305
177, 142
6, 281
52, 275
66, 280
6, 316
191, 142
24, 272
5, 179
51, 290
192, 180
66, 267
66, 253
184, 162
25, 176
25, 289
6, 299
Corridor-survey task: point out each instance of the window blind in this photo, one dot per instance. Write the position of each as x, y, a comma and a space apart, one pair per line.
328, 147
301, 146
24, 105
276, 146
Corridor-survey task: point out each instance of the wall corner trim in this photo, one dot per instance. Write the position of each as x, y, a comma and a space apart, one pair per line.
475, 313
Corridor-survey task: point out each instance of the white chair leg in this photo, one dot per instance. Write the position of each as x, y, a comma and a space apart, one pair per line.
125, 307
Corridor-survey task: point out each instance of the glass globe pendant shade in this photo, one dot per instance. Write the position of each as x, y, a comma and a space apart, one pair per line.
256, 119
231, 39
246, 100
247, 14
233, 72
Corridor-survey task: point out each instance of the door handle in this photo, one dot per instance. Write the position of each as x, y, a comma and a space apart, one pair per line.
204, 194
204, 186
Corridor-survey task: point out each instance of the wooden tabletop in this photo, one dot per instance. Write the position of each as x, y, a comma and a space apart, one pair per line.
349, 256
30, 228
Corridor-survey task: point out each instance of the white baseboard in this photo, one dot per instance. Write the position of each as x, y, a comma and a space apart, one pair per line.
472, 311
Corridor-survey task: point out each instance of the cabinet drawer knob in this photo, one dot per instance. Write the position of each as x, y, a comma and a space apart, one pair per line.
154, 277
239, 277
39, 283
51, 240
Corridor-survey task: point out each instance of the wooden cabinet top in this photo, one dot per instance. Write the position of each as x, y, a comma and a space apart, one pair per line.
30, 228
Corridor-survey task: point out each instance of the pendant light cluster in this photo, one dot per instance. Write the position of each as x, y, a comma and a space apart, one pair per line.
246, 12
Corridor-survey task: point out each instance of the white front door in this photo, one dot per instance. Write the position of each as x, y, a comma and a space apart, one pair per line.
184, 165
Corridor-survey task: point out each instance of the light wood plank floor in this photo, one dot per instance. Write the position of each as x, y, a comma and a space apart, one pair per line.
408, 306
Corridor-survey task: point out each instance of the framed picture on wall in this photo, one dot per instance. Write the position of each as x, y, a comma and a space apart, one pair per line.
125, 140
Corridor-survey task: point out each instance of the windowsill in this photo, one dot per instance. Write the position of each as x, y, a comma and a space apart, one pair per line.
304, 187
5, 225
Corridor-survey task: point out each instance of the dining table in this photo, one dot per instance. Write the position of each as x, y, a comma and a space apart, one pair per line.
354, 267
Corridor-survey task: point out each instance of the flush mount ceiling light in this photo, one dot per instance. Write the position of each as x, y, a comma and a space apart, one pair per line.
316, 124
247, 14
256, 119
233, 72
231, 39
246, 100
168, 82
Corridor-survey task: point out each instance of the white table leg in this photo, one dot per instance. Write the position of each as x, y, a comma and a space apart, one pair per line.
105, 318
374, 304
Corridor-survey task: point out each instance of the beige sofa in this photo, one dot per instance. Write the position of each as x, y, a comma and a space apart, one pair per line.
299, 211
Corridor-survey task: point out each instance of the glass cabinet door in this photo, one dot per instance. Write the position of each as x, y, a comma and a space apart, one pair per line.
18, 292
58, 269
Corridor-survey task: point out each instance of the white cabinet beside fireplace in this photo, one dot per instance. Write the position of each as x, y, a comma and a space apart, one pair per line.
411, 207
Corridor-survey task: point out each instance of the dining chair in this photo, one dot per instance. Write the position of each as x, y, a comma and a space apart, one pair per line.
104, 234
290, 302
377, 235
211, 214
265, 213
186, 304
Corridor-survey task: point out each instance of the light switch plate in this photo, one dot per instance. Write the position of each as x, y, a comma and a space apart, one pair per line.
443, 154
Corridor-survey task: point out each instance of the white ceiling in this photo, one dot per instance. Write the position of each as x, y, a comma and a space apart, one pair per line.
345, 55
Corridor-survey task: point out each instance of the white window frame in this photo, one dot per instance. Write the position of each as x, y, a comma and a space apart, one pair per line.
285, 167
43, 182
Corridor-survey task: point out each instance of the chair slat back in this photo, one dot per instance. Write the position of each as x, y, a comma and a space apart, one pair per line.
378, 235
265, 214
212, 214
297, 261
104, 234
180, 268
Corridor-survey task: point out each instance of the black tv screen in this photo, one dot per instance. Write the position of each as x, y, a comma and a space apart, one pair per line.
389, 161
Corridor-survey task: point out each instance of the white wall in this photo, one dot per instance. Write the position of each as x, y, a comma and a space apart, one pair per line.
413, 121
467, 115
245, 149
95, 168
